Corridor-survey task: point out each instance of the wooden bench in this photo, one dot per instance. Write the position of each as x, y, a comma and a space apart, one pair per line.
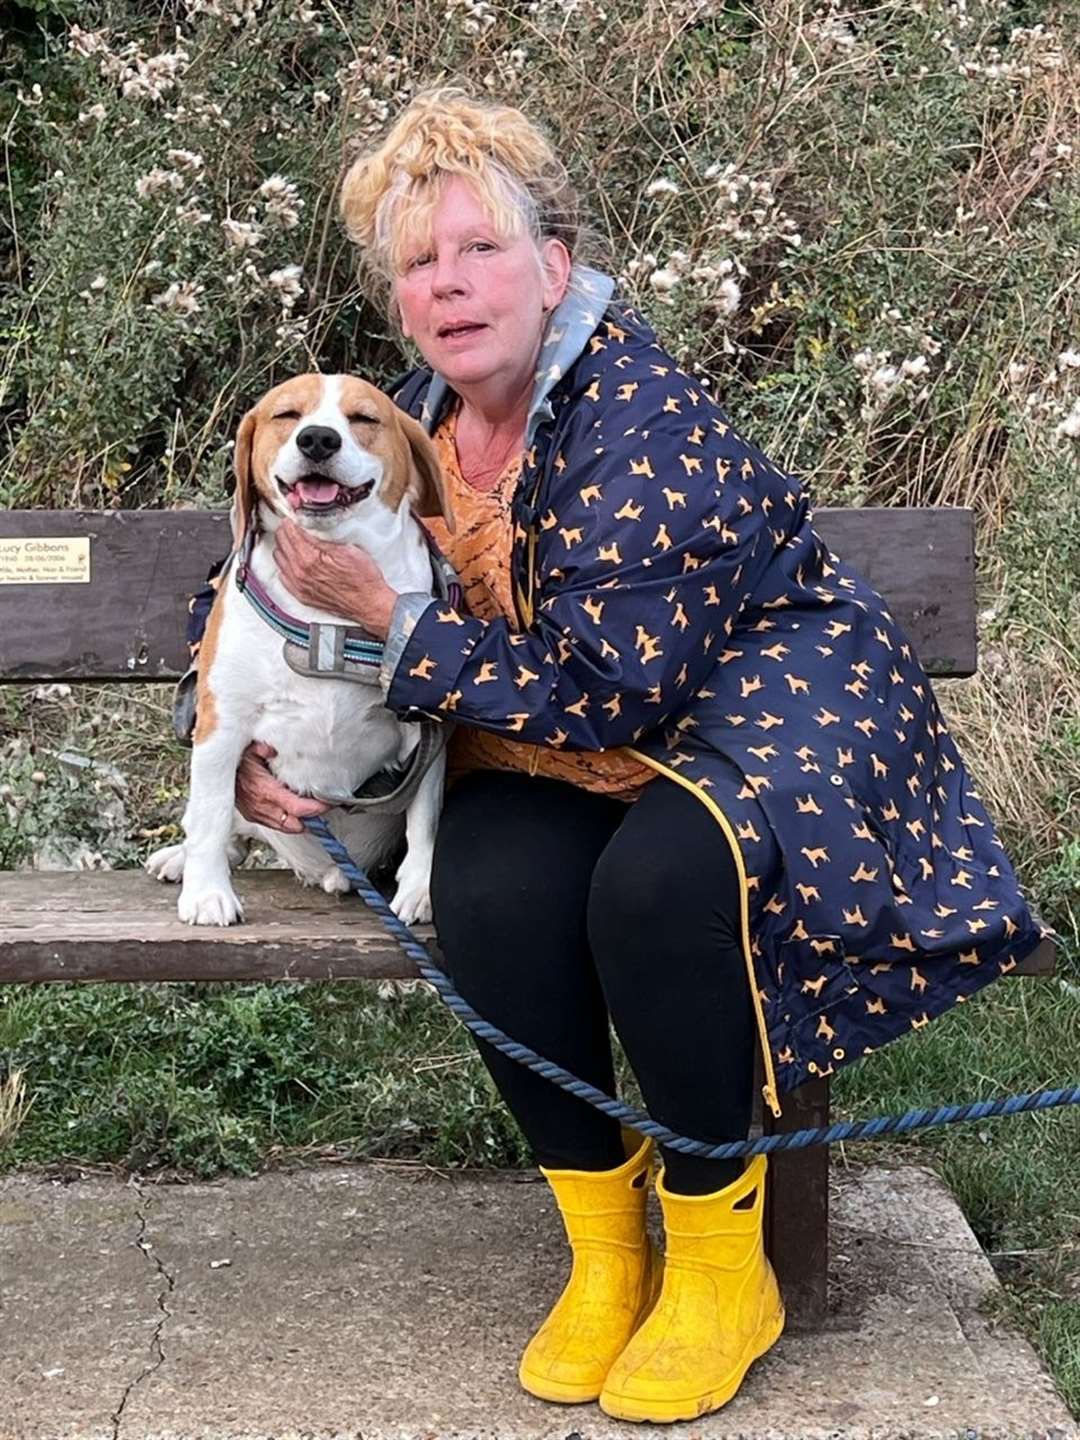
126, 622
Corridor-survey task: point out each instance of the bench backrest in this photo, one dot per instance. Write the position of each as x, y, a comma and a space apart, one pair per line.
126, 620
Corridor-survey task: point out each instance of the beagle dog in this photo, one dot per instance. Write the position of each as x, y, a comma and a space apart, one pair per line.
342, 460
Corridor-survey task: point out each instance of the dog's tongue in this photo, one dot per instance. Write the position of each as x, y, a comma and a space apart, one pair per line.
315, 492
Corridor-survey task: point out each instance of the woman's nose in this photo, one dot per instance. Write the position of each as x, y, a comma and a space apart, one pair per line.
446, 276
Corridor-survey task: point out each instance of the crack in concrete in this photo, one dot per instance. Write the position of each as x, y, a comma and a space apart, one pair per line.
157, 1349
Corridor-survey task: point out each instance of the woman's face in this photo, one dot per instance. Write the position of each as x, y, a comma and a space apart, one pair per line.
473, 300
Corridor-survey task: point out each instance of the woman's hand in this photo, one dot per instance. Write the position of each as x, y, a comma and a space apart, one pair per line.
263, 800
342, 579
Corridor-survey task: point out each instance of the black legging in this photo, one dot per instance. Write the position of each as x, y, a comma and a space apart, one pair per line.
556, 907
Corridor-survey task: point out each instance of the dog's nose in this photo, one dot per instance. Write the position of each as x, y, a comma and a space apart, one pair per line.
318, 442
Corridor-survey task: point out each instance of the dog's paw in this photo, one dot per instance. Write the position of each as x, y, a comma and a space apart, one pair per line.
167, 863
412, 900
398, 989
216, 905
335, 882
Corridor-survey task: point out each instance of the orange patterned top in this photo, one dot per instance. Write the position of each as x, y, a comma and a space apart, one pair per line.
479, 551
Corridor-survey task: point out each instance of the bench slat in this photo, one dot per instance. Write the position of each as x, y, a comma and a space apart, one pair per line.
121, 925
127, 622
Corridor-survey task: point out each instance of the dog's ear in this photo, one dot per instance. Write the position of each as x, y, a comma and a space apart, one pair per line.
244, 498
427, 484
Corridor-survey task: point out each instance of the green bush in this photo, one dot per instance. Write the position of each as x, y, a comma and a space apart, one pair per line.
806, 206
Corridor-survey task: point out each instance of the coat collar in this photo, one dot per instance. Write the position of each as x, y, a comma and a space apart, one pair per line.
568, 332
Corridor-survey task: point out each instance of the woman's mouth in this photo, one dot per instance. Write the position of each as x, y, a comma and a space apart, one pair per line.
451, 333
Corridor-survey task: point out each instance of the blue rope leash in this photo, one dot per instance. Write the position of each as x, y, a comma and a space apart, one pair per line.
637, 1119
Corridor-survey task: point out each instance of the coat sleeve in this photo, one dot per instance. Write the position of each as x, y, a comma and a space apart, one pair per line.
651, 540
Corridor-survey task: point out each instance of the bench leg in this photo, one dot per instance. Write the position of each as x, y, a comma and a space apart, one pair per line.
797, 1207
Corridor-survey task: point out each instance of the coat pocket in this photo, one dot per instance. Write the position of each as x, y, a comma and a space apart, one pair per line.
816, 979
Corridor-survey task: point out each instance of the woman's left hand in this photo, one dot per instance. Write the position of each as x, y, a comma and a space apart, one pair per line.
341, 579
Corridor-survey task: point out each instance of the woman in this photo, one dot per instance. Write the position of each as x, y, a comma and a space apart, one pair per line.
702, 783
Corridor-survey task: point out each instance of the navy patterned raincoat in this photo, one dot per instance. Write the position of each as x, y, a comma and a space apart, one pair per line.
674, 598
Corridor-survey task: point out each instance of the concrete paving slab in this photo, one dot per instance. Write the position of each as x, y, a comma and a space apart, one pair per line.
380, 1303
79, 1303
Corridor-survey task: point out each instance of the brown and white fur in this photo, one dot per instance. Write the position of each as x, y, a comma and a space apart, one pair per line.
330, 735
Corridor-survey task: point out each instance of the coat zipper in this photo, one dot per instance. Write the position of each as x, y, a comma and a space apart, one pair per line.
525, 602
768, 1090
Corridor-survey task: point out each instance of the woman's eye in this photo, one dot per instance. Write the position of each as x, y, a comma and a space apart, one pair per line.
416, 261
287, 415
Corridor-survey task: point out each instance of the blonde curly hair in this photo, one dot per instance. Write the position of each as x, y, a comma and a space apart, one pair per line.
389, 195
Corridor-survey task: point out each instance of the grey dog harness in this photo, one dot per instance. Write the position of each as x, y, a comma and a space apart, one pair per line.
339, 652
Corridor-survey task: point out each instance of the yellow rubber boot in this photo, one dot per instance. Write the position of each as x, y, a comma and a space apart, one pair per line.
614, 1280
718, 1311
